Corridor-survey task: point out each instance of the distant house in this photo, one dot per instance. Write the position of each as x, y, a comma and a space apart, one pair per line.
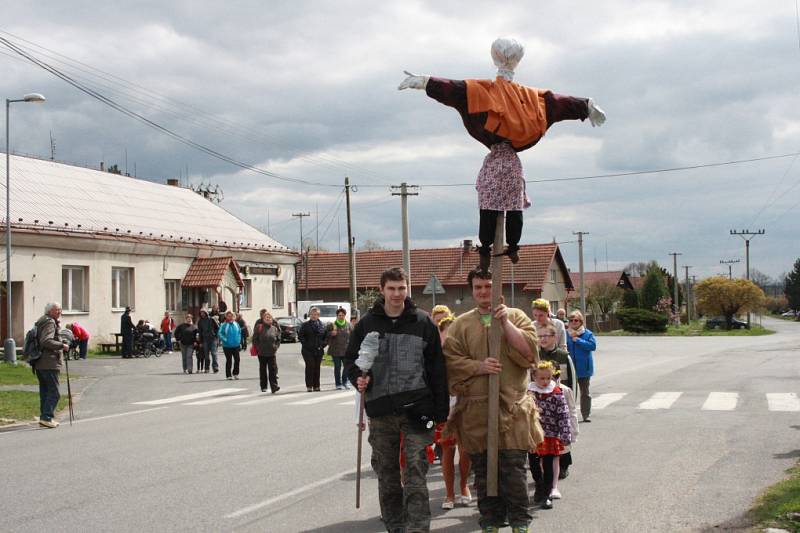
618, 277
540, 273
99, 242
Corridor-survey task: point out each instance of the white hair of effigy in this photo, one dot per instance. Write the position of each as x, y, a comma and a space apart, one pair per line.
507, 52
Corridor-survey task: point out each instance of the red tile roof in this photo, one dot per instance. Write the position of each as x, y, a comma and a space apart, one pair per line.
210, 272
328, 270
590, 278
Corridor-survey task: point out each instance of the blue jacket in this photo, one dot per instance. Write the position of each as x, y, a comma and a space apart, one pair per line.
230, 334
581, 351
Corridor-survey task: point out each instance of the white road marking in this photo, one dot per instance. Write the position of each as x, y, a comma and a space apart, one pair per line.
221, 399
783, 401
601, 401
721, 401
186, 397
346, 403
264, 398
324, 398
291, 494
660, 400
117, 415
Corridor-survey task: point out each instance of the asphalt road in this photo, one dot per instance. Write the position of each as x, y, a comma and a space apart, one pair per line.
156, 450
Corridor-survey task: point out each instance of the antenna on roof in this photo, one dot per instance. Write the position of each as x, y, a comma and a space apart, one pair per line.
52, 147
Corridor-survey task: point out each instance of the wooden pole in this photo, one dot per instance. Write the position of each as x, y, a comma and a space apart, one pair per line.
362, 400
495, 339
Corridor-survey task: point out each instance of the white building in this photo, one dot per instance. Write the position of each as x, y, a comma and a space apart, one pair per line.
98, 242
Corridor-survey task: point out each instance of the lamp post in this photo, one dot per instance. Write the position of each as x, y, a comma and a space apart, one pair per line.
10, 347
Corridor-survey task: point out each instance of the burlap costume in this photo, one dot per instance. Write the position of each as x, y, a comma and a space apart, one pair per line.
466, 345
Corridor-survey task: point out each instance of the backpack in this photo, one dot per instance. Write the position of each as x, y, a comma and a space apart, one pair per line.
30, 350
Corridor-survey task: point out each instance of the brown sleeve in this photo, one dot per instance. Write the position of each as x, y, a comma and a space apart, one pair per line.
525, 325
47, 334
461, 367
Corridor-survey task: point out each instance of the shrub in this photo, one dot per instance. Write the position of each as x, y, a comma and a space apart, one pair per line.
630, 299
642, 321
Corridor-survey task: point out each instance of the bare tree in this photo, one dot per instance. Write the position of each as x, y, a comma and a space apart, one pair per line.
605, 296
370, 246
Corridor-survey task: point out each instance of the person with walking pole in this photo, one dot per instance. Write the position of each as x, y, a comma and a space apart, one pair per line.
405, 392
48, 365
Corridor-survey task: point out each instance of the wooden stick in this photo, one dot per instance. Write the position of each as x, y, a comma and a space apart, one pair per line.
360, 436
495, 339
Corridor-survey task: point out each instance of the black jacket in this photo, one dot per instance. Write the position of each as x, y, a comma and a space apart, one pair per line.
207, 327
312, 336
126, 324
409, 371
186, 334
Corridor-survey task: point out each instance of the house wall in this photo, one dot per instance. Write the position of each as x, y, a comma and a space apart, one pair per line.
555, 291
37, 263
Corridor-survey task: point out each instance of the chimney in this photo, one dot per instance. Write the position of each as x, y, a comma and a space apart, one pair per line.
102, 165
174, 182
467, 245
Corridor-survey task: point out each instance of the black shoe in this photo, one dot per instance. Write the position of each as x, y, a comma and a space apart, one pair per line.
563, 473
547, 504
276, 389
263, 390
513, 255
485, 262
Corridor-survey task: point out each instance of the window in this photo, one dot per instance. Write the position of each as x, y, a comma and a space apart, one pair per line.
122, 287
75, 288
172, 289
553, 306
277, 293
246, 296
553, 275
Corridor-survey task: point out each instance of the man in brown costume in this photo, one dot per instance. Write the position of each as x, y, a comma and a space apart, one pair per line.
468, 371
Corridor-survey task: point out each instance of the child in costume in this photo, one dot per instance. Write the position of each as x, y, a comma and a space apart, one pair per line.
555, 420
506, 118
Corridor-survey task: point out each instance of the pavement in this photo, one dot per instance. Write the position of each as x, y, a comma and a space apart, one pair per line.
686, 432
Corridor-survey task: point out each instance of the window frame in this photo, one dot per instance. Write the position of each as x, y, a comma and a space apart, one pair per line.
66, 304
177, 295
246, 294
116, 292
280, 301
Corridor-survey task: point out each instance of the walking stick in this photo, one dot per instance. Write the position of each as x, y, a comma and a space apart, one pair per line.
361, 401
69, 393
366, 356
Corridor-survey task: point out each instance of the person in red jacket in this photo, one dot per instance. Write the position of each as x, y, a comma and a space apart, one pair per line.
167, 327
82, 336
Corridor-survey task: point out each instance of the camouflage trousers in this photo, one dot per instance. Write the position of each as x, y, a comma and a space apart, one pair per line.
511, 502
405, 506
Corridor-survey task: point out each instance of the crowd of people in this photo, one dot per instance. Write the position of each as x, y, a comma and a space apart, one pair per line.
434, 368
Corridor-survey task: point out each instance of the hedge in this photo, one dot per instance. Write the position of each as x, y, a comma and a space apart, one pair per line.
642, 321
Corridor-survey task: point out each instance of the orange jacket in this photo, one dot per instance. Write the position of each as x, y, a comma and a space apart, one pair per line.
515, 112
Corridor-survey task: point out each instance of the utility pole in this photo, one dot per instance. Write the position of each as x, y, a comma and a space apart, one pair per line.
300, 215
317, 230
675, 307
688, 295
748, 236
729, 262
351, 249
694, 303
580, 235
404, 194
305, 276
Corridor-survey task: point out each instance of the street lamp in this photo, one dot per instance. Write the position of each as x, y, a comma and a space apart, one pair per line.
10, 347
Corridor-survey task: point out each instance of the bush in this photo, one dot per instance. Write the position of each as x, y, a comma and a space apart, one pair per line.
777, 304
642, 321
630, 299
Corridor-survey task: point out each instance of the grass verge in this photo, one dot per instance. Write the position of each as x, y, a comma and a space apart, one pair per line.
18, 405
779, 505
17, 375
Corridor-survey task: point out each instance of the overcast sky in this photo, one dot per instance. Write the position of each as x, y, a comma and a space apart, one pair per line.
307, 90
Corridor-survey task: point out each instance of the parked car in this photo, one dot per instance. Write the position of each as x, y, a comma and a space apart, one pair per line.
718, 322
289, 326
789, 314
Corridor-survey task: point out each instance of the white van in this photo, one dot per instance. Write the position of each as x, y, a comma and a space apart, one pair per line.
327, 311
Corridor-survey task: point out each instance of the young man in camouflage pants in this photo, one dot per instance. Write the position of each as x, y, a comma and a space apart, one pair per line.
406, 393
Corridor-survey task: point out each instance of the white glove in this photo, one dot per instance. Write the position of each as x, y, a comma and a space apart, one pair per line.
413, 81
596, 115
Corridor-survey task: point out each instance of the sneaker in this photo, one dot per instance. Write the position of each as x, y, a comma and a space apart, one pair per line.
447, 505
547, 504
465, 500
587, 419
339, 387
229, 378
263, 390
519, 529
188, 371
555, 494
316, 390
215, 370
309, 389
206, 371
236, 376
52, 424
